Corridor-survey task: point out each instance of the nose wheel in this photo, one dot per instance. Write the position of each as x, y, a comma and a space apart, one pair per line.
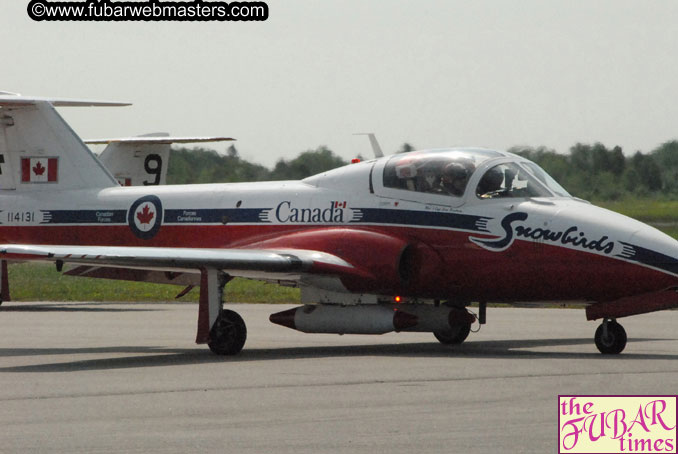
610, 337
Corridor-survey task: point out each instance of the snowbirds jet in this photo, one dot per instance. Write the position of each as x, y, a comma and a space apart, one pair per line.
399, 243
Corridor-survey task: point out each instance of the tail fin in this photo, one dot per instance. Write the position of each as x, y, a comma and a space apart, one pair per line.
376, 149
143, 160
40, 152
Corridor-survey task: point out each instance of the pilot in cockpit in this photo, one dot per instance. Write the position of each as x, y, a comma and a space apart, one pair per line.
490, 184
455, 176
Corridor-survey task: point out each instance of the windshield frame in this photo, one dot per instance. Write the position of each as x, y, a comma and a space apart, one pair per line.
548, 180
472, 197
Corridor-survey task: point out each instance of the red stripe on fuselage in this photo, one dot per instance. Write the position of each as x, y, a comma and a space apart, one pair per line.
526, 271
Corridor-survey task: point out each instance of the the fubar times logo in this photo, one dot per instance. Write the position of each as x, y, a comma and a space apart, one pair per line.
617, 424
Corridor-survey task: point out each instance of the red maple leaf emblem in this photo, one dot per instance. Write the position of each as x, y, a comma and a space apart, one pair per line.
39, 169
146, 215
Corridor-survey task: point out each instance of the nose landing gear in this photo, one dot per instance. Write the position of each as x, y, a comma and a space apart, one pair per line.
610, 337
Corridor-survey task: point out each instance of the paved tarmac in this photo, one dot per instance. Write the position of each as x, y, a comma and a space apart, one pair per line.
98, 378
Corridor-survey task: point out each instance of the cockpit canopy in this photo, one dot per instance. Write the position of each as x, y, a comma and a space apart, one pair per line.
449, 172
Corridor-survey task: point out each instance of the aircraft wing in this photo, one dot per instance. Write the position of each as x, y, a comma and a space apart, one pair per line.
302, 257
185, 259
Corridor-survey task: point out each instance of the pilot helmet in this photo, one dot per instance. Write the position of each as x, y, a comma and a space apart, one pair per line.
491, 181
456, 174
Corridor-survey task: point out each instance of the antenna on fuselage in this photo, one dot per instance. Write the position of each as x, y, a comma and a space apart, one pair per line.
376, 149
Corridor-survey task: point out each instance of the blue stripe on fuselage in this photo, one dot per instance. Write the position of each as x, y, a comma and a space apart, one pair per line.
84, 216
424, 218
213, 216
649, 257
263, 215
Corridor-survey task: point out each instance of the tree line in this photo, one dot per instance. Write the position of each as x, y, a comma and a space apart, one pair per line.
588, 171
203, 165
596, 172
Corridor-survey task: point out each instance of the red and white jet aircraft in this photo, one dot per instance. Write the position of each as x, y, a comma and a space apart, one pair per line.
399, 243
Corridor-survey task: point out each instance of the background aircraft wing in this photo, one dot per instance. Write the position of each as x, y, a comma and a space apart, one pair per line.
13, 99
155, 138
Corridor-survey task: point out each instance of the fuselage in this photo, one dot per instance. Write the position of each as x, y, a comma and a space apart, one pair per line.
551, 247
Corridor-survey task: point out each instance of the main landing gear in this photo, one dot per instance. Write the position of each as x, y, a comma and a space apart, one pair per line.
454, 334
4, 282
228, 335
460, 321
610, 337
223, 330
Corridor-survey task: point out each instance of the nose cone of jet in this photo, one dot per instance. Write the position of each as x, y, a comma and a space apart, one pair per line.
633, 240
654, 248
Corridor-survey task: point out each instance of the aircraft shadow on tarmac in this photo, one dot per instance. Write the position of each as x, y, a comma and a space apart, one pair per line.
159, 356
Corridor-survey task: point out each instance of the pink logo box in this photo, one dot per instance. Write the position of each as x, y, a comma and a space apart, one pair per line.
597, 424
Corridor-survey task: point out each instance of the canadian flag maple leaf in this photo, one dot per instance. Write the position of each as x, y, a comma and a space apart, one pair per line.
39, 169
145, 215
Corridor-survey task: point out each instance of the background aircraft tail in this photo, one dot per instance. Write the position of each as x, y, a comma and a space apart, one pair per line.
40, 152
143, 160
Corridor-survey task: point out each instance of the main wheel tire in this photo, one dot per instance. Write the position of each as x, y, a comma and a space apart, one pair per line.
615, 340
454, 335
228, 334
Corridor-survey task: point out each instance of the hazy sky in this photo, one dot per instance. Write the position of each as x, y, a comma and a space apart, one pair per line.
432, 73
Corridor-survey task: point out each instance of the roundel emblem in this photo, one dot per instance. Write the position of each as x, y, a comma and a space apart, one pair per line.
145, 217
